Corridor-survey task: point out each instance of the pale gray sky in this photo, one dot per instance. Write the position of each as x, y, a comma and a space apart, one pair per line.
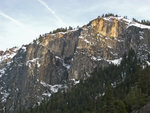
21, 21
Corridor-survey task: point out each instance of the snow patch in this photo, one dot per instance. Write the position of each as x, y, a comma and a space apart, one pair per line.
115, 61
47, 94
110, 18
102, 94
138, 25
148, 63
87, 41
8, 55
57, 57
141, 32
4, 97
129, 22
75, 81
109, 47
38, 64
107, 38
87, 74
44, 84
120, 40
96, 59
35, 60
24, 48
141, 38
81, 37
2, 71
66, 65
113, 84
53, 88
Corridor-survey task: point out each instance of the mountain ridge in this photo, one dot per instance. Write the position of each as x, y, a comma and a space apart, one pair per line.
48, 63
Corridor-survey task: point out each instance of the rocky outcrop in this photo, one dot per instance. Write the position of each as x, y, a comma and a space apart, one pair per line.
41, 68
113, 28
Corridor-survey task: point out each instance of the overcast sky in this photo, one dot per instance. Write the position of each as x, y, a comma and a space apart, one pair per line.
21, 21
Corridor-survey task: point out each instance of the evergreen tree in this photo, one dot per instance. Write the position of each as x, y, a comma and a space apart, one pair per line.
108, 101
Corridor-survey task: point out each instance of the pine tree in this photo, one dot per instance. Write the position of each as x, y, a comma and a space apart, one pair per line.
108, 100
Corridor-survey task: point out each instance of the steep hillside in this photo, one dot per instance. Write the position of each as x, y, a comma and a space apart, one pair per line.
35, 71
113, 89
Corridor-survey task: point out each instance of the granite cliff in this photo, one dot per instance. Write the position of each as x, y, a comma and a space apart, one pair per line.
33, 72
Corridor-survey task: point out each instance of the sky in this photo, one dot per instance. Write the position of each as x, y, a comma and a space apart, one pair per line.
22, 21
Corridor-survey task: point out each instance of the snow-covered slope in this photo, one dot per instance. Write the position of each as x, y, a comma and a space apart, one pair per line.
8, 54
128, 22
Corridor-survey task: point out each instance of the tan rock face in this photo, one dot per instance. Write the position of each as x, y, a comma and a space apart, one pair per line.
102, 29
105, 28
98, 25
46, 41
114, 29
30, 53
95, 22
60, 35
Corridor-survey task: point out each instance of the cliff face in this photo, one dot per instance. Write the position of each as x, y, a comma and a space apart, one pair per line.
113, 28
37, 70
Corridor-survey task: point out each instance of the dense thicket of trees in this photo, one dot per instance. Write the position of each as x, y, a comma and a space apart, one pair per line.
145, 22
61, 30
40, 39
115, 89
109, 14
